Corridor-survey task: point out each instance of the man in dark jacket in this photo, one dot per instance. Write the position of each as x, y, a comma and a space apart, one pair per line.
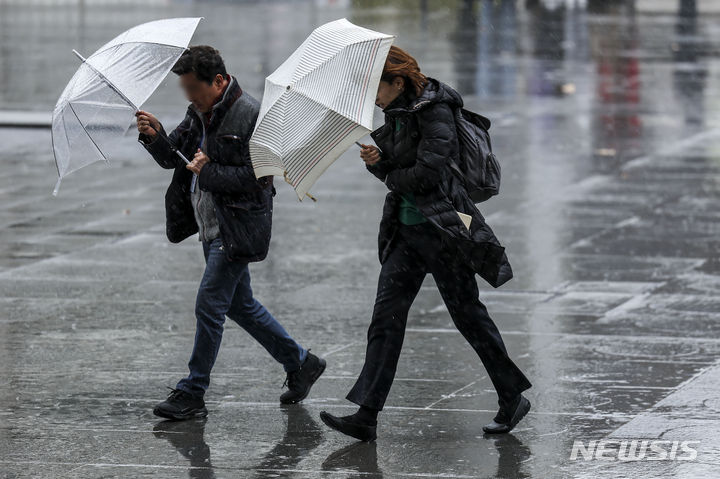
218, 196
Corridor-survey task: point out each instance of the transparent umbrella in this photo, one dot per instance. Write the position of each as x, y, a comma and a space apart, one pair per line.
102, 97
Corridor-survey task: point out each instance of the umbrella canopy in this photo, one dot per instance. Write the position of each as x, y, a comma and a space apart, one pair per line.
318, 103
102, 97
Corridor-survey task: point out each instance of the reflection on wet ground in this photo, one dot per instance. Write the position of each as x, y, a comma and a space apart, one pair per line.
605, 118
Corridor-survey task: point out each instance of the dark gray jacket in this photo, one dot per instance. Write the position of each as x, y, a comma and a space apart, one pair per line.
243, 203
415, 159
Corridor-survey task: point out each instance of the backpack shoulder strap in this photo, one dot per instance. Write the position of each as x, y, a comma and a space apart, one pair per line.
481, 121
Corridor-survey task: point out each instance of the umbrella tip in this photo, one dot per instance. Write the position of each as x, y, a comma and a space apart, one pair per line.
77, 54
57, 187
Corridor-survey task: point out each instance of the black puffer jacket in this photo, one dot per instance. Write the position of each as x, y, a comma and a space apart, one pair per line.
415, 157
243, 203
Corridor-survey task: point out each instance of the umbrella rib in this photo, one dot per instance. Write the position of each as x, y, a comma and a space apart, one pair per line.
52, 136
86, 132
52, 142
138, 42
106, 80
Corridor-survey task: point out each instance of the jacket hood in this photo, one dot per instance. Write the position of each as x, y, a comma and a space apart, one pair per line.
434, 92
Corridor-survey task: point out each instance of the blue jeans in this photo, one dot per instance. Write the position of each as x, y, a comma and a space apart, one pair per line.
225, 291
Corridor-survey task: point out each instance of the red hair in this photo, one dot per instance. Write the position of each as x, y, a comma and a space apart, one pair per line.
400, 63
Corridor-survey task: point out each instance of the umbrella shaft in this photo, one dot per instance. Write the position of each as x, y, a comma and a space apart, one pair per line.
174, 148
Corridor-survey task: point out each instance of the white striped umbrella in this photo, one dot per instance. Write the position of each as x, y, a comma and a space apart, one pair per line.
318, 103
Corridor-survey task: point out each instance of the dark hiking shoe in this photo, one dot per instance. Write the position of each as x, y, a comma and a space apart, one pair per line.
299, 382
350, 426
508, 417
181, 405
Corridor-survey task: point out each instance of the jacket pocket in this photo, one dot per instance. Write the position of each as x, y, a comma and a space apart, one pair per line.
259, 201
246, 234
232, 148
229, 137
250, 206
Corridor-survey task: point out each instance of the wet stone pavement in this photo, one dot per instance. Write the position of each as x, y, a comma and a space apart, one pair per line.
606, 123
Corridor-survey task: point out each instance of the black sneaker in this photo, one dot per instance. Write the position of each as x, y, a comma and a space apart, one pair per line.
299, 382
508, 417
350, 426
181, 405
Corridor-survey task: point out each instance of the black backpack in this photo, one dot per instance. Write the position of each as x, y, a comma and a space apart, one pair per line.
477, 168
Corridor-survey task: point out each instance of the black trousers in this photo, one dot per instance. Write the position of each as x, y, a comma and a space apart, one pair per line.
418, 251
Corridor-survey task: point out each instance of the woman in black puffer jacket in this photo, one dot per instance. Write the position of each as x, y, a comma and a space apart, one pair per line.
422, 232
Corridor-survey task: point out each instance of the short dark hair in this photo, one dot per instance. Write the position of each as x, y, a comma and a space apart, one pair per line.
204, 60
